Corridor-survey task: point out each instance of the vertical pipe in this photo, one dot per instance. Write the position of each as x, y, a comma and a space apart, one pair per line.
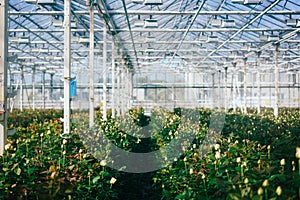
104, 71
21, 88
67, 64
43, 89
289, 90
276, 82
119, 85
186, 84
259, 82
234, 86
213, 91
33, 88
123, 90
113, 109
51, 86
245, 85
219, 90
3, 72
225, 103
91, 106
131, 88
127, 88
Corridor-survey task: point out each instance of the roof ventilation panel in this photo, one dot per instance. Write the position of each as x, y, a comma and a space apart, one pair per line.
83, 40
57, 23
263, 37
153, 2
46, 2
203, 38
24, 40
237, 1
213, 38
139, 23
227, 23
138, 1
150, 39
272, 38
151, 23
30, 1
252, 1
216, 22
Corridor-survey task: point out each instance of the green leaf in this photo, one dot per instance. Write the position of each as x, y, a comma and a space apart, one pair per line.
95, 180
18, 172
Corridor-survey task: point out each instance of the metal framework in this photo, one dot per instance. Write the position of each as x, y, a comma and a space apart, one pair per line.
209, 48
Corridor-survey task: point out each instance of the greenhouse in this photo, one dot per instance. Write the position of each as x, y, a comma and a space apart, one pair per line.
150, 99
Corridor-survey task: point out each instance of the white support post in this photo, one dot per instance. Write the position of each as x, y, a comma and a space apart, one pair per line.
186, 83
123, 89
3, 72
219, 90
276, 105
43, 88
21, 88
113, 98
51, 86
67, 65
104, 71
234, 86
91, 106
213, 91
245, 85
226, 98
259, 82
131, 87
119, 85
33, 88
127, 78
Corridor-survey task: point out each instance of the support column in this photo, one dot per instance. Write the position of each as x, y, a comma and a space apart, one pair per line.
245, 85
234, 86
123, 89
104, 71
33, 88
276, 105
67, 65
3, 73
258, 82
219, 91
213, 91
226, 99
92, 97
128, 82
21, 88
43, 89
51, 86
113, 98
118, 100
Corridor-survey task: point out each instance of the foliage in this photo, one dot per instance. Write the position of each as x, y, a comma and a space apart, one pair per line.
253, 159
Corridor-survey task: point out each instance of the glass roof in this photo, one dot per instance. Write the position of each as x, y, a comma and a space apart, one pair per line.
203, 34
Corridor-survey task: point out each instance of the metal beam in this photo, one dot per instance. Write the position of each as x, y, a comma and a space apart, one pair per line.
162, 12
3, 73
159, 30
104, 72
276, 105
243, 28
91, 109
67, 65
113, 72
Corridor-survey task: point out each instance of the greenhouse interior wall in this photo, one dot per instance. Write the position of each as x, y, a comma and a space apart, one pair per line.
150, 99
170, 90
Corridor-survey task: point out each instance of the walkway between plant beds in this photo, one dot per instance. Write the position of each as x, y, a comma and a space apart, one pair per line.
137, 186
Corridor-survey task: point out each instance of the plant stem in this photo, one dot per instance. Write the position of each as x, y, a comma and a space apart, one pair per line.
266, 193
206, 195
